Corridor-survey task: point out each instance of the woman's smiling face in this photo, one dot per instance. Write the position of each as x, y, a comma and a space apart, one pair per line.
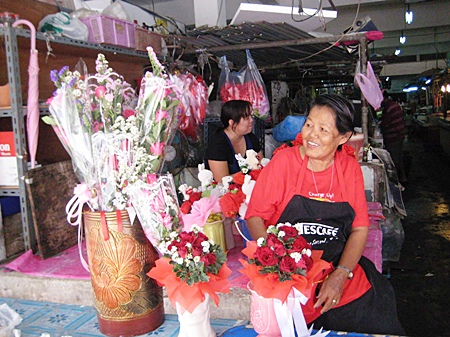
320, 134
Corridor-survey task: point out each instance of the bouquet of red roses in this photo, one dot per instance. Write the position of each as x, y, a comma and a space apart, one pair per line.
192, 266
282, 261
282, 269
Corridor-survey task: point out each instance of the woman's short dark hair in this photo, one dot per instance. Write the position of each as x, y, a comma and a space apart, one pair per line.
235, 110
343, 109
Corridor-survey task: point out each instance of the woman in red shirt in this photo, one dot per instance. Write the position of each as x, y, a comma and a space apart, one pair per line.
319, 184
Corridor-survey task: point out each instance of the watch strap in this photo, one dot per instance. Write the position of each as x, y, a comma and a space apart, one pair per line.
349, 272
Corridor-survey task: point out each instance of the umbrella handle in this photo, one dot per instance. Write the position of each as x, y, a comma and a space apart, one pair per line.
32, 28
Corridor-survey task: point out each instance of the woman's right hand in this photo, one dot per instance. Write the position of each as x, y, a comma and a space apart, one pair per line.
257, 228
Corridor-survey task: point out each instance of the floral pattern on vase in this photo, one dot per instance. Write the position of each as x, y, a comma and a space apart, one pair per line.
262, 315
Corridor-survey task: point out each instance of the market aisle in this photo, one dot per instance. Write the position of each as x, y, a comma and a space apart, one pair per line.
421, 278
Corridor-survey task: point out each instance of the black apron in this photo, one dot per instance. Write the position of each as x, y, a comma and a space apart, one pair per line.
327, 226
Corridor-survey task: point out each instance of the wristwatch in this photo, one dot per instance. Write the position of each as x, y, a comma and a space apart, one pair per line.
349, 272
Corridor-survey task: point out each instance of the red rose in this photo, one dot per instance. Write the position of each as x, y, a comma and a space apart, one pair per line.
186, 237
287, 264
276, 245
308, 262
186, 207
181, 248
197, 248
195, 196
299, 244
202, 236
128, 113
266, 256
208, 259
290, 232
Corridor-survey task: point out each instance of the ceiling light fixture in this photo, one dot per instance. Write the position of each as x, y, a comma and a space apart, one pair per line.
402, 38
397, 51
409, 16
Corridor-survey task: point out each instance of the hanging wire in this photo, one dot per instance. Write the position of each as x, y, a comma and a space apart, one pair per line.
319, 8
220, 11
327, 48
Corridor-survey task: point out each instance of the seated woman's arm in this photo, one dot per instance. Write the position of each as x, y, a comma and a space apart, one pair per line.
333, 286
257, 228
219, 169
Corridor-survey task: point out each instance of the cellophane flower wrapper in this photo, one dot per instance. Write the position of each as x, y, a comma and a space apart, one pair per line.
200, 211
117, 141
194, 104
190, 296
269, 286
156, 206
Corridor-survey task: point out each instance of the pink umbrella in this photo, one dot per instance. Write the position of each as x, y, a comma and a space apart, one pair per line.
33, 93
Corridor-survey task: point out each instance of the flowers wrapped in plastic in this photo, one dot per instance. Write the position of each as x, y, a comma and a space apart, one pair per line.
283, 267
246, 84
117, 146
192, 266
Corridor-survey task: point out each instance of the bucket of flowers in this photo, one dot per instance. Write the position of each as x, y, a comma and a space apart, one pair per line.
282, 270
193, 269
127, 205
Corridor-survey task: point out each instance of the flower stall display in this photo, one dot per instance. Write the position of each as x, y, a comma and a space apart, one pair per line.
234, 203
246, 84
201, 207
192, 269
282, 270
117, 150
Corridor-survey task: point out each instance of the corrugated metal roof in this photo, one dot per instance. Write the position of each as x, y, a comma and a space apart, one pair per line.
273, 59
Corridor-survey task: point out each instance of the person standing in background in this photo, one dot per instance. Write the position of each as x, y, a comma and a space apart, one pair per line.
393, 129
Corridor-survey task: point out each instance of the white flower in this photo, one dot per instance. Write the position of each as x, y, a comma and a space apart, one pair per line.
206, 245
197, 259
260, 242
281, 234
296, 256
298, 227
307, 252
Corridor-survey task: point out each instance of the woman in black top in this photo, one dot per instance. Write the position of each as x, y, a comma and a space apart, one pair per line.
235, 137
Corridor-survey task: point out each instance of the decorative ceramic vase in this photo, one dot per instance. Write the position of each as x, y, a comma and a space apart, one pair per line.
128, 302
262, 315
215, 231
197, 323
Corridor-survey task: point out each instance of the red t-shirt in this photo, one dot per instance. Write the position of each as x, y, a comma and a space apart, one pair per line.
278, 183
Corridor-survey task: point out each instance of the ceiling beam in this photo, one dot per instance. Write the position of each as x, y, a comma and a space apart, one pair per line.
295, 42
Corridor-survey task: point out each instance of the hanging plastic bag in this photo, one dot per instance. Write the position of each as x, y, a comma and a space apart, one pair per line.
245, 84
9, 319
118, 11
63, 24
369, 86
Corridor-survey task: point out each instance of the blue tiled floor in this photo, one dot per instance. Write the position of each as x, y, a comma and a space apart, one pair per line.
81, 321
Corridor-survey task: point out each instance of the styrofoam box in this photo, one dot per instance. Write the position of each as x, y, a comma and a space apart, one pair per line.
8, 161
104, 29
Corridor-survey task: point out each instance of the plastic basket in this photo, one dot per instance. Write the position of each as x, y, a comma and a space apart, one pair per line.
107, 30
145, 39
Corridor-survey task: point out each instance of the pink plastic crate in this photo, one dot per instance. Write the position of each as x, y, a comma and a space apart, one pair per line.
104, 29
